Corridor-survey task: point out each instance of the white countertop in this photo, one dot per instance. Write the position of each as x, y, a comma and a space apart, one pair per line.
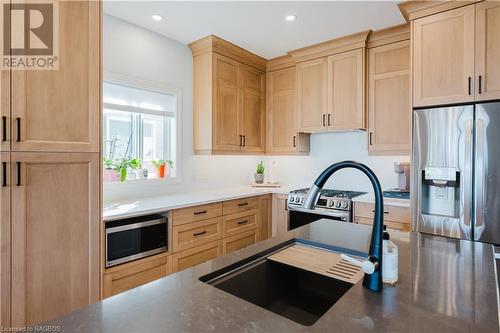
370, 198
158, 204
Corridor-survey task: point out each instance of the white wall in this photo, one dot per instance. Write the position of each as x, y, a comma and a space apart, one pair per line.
134, 51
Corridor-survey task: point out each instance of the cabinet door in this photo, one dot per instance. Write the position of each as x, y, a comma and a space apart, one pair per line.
5, 243
280, 214
253, 115
389, 108
226, 134
312, 96
346, 73
5, 110
488, 50
265, 216
282, 116
443, 58
55, 234
59, 110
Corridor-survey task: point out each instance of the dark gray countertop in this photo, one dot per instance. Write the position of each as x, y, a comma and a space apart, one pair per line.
444, 285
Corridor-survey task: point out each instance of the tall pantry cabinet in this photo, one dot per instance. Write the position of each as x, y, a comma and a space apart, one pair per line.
50, 161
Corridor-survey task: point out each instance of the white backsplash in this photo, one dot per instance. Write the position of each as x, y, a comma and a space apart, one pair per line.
156, 58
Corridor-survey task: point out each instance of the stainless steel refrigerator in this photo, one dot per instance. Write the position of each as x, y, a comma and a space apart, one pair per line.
456, 171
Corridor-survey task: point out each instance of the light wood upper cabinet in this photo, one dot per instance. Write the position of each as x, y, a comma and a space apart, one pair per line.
5, 110
226, 104
346, 99
283, 136
488, 50
55, 235
252, 110
5, 243
312, 95
389, 109
443, 57
229, 98
59, 110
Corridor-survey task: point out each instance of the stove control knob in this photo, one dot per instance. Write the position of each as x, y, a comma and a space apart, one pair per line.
344, 205
291, 199
337, 204
330, 203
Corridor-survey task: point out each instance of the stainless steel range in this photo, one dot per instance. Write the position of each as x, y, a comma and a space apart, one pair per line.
331, 204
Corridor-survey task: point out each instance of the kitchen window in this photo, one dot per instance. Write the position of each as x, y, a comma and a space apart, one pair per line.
140, 128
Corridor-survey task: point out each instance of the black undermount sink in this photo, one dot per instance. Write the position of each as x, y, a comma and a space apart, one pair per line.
294, 293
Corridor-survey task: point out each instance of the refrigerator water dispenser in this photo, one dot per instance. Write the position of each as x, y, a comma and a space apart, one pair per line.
440, 192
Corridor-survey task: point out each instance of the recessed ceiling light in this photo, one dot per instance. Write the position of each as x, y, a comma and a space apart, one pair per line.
157, 17
290, 17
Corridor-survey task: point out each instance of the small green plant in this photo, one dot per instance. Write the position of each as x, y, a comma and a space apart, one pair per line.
121, 165
260, 168
158, 163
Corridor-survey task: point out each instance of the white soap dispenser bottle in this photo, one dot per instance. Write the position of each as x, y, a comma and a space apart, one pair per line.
389, 260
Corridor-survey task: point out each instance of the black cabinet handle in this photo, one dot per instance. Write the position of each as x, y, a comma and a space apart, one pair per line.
199, 233
18, 122
373, 211
371, 142
294, 141
243, 204
244, 140
4, 174
470, 85
480, 84
18, 173
241, 140
199, 213
329, 123
4, 128
243, 222
324, 117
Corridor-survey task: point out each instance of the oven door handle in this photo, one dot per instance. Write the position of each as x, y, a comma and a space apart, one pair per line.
340, 214
134, 226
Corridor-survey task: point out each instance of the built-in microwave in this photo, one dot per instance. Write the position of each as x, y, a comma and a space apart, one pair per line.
134, 238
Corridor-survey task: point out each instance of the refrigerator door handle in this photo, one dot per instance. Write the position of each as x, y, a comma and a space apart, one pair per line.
479, 178
467, 177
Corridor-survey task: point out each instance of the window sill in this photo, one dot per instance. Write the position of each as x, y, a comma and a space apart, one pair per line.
141, 182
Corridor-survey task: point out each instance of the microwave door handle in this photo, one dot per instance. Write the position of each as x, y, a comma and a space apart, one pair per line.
479, 180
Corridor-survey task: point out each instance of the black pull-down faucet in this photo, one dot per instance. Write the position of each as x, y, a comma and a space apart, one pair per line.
373, 278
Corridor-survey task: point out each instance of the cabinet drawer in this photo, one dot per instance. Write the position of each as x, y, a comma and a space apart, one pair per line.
240, 241
196, 213
391, 213
239, 205
193, 234
196, 255
402, 226
239, 222
135, 274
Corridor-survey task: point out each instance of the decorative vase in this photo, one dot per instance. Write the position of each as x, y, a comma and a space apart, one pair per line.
160, 171
259, 178
110, 175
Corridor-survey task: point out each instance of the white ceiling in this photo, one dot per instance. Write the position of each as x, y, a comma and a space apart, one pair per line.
259, 26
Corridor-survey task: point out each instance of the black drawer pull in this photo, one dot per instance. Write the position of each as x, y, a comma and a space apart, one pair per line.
18, 121
243, 222
324, 118
329, 123
4, 128
4, 174
469, 83
294, 141
199, 233
243, 204
199, 213
18, 173
373, 211
480, 84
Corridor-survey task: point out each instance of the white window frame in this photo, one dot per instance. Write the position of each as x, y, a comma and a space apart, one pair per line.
159, 87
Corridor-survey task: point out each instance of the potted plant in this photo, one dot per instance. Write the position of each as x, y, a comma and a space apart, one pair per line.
160, 166
259, 174
110, 172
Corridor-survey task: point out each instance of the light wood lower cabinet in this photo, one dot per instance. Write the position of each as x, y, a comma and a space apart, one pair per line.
196, 255
197, 233
124, 277
55, 234
280, 214
196, 213
395, 217
265, 205
5, 243
240, 241
239, 222
239, 205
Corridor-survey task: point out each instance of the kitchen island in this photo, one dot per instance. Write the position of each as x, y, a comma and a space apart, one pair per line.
445, 285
